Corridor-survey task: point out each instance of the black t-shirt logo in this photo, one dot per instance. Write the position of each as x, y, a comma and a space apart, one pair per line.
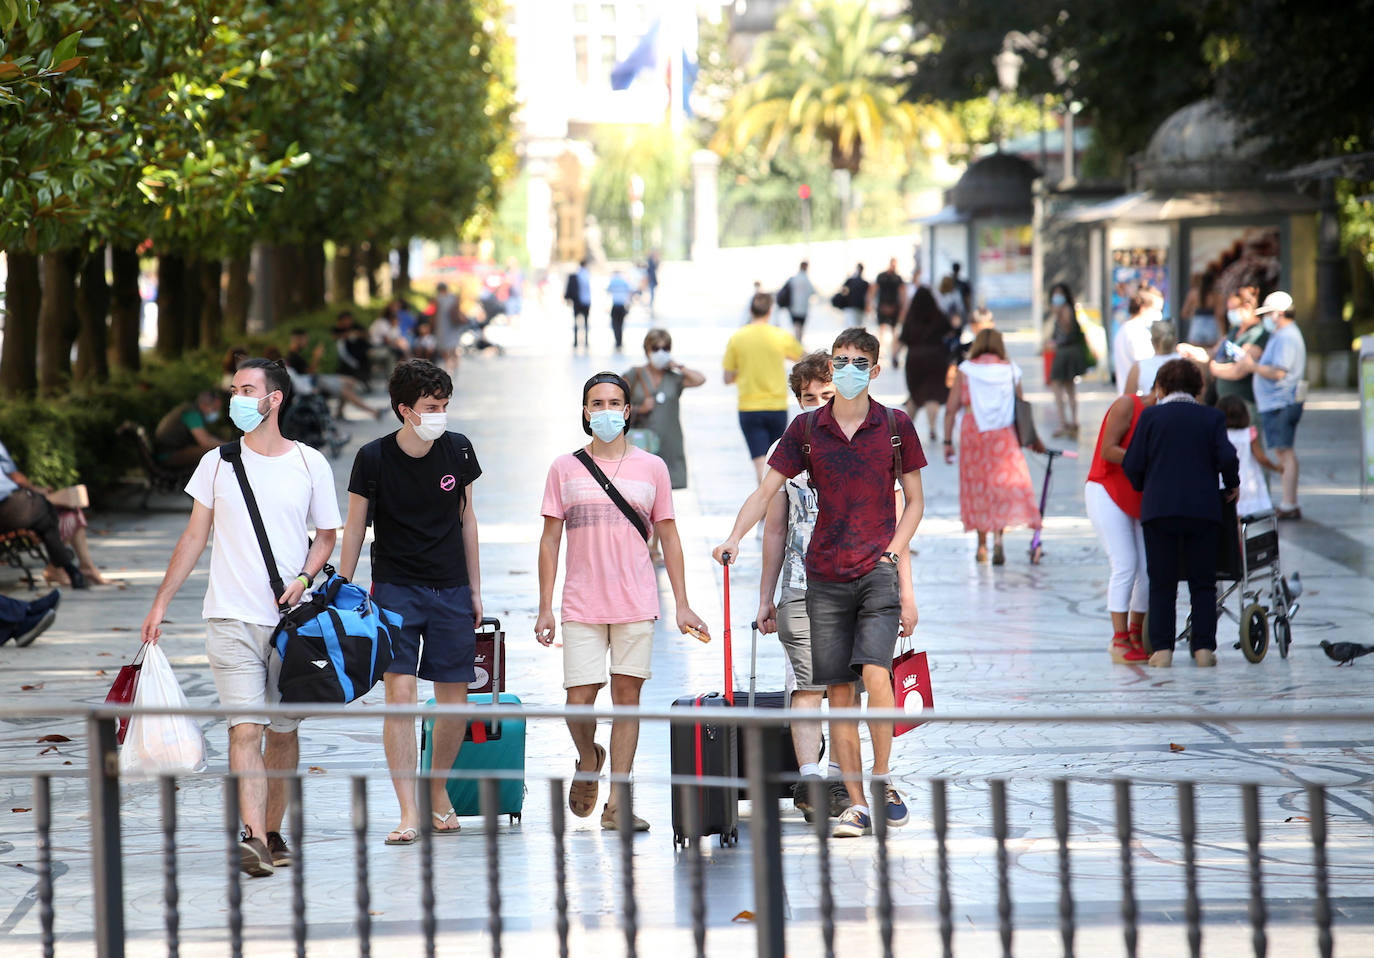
447, 483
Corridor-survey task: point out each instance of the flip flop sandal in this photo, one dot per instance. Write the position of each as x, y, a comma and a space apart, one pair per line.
443, 820
582, 792
408, 836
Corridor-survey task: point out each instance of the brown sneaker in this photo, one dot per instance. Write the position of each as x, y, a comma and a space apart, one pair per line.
254, 858
276, 847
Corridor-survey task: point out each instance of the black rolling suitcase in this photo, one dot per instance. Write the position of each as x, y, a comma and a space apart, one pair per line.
708, 748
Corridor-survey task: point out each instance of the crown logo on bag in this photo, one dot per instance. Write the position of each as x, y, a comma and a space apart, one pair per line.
909, 683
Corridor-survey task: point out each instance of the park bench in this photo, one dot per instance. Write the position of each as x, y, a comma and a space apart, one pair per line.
18, 547
157, 477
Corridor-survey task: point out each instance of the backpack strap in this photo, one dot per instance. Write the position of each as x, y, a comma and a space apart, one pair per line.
609, 488
896, 444
807, 419
232, 452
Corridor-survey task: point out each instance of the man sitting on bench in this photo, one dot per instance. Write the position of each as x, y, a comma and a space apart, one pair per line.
181, 437
23, 506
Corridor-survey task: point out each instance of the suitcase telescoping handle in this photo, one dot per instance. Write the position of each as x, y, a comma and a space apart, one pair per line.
729, 659
491, 624
753, 659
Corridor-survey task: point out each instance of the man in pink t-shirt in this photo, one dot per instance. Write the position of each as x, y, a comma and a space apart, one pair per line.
610, 592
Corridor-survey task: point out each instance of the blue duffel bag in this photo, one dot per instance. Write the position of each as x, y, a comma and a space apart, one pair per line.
335, 645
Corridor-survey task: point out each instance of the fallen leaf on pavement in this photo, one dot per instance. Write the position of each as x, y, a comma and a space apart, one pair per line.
104, 653
21, 809
54, 738
1175, 747
315, 770
101, 672
744, 916
1297, 818
120, 628
50, 748
30, 688
66, 763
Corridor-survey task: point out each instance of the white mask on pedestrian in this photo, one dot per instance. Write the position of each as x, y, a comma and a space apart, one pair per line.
660, 358
432, 425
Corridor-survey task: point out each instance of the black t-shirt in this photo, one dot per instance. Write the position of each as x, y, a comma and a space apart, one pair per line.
858, 291
417, 519
297, 364
889, 288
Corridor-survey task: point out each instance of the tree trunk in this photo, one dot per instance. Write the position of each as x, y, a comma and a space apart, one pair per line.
171, 305
55, 321
190, 316
402, 284
315, 270
238, 294
344, 270
92, 313
23, 298
126, 309
211, 310
372, 261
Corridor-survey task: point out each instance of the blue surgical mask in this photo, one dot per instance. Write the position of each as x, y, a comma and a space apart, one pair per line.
1058, 299
1233, 316
1268, 322
244, 412
212, 416
850, 381
608, 424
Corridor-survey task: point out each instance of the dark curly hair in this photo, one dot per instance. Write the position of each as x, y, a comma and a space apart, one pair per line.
813, 367
415, 378
1179, 376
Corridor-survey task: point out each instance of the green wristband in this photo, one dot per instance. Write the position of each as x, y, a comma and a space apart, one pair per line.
305, 579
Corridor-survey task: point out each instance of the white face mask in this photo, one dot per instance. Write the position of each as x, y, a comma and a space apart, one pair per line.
432, 425
660, 358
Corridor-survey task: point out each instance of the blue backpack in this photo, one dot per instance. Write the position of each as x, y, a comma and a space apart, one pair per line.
336, 644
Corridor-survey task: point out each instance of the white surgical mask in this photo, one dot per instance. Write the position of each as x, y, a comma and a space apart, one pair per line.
432, 425
1234, 316
660, 358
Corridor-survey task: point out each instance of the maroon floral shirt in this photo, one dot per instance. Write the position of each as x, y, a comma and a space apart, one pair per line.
853, 480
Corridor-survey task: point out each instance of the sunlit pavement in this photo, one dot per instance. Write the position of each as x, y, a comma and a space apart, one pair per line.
1014, 640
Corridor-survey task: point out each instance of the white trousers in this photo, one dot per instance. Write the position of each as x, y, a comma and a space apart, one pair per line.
1128, 589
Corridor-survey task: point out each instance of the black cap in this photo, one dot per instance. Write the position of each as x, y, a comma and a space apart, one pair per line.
597, 380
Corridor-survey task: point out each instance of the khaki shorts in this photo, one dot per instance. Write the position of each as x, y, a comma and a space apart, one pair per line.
246, 669
631, 645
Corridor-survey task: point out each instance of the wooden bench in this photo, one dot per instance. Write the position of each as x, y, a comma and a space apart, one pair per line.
157, 476
18, 547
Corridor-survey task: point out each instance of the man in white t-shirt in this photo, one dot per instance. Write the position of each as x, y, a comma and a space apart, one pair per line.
1132, 342
610, 591
294, 488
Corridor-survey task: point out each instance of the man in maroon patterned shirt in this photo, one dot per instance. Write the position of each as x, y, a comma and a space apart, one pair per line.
858, 567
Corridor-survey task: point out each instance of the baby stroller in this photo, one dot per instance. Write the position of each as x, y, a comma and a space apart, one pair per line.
307, 419
1249, 563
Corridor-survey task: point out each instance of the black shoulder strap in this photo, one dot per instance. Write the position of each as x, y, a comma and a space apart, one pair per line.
614, 493
233, 453
896, 444
371, 455
807, 419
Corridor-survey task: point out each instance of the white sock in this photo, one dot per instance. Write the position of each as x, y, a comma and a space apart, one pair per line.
834, 770
861, 808
810, 768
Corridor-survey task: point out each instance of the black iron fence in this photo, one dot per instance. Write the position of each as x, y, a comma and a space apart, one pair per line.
764, 846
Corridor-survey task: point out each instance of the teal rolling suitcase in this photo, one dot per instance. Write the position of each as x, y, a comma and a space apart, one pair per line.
489, 745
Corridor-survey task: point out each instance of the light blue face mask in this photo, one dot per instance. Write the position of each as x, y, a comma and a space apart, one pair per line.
1268, 322
1233, 316
850, 381
608, 424
244, 413
212, 416
1058, 299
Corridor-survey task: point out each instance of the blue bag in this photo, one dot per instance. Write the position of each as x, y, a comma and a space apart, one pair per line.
334, 646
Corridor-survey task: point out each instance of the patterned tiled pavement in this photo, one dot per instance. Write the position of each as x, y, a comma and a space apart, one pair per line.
1017, 640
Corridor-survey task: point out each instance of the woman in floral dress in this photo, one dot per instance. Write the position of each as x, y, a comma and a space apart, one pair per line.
995, 489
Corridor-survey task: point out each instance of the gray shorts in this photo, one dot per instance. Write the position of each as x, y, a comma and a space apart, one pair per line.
245, 668
853, 624
794, 631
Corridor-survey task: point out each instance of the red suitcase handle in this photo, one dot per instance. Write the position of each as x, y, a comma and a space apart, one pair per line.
729, 658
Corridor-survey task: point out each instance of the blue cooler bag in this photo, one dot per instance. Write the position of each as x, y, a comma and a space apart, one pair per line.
334, 646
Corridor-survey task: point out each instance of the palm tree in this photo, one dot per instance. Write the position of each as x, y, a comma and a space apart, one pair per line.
831, 73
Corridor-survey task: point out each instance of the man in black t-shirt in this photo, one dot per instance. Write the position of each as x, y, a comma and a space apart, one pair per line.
425, 568
889, 303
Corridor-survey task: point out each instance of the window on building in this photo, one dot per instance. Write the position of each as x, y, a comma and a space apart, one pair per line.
583, 62
608, 57
607, 14
580, 12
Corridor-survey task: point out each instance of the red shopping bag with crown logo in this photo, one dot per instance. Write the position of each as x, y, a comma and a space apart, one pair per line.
911, 687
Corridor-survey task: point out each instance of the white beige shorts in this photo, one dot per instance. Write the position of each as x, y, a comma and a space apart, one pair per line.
631, 645
246, 669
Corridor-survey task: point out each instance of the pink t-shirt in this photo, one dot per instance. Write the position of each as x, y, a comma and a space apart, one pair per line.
609, 578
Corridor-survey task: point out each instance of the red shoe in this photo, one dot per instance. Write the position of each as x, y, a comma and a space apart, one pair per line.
1124, 652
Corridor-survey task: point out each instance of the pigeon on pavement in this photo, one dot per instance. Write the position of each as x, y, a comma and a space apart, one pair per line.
1343, 653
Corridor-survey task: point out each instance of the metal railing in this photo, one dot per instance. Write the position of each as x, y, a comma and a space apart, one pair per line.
764, 830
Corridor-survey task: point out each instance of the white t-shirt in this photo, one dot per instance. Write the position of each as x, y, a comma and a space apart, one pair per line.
1254, 492
295, 493
1149, 368
1130, 346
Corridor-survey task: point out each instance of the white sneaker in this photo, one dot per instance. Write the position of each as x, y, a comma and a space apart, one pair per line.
1162, 659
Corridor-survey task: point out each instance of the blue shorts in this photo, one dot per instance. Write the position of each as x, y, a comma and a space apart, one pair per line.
1281, 425
443, 618
761, 429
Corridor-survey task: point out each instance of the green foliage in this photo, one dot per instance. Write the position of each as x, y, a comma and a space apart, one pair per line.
655, 154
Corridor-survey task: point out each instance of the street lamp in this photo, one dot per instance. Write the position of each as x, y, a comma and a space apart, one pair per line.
1008, 66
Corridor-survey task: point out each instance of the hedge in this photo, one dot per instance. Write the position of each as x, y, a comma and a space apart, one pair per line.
62, 440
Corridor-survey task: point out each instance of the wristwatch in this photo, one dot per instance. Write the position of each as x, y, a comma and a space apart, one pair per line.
306, 576
890, 557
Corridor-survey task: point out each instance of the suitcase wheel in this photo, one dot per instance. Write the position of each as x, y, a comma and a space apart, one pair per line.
515, 817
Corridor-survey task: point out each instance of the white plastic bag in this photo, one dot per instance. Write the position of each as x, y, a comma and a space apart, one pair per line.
158, 744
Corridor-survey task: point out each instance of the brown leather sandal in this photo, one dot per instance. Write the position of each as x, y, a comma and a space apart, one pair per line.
582, 793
